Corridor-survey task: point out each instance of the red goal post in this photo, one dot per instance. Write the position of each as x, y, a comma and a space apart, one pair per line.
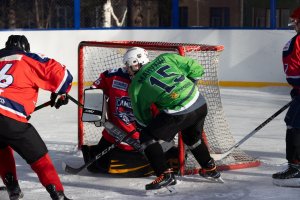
95, 57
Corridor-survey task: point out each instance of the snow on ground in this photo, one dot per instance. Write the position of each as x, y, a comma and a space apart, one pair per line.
245, 109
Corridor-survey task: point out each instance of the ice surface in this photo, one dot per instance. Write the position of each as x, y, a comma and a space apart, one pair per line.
245, 109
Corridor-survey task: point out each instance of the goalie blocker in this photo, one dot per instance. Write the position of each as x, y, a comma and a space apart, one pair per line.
116, 161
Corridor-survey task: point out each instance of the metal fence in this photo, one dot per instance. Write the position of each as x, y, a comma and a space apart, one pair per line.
89, 14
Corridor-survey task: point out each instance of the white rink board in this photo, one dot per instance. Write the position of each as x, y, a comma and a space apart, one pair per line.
249, 55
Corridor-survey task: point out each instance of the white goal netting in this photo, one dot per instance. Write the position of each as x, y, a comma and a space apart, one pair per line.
96, 57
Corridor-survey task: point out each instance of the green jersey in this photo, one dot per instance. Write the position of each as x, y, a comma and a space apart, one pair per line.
167, 82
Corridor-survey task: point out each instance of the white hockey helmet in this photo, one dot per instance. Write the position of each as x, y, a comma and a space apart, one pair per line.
135, 58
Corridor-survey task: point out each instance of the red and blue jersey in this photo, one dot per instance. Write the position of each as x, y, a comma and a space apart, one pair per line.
291, 61
21, 76
115, 83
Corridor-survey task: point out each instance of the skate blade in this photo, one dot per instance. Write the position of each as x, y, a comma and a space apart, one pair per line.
215, 180
165, 191
291, 182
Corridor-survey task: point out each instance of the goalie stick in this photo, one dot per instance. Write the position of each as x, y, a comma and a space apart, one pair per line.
118, 133
72, 170
120, 136
223, 155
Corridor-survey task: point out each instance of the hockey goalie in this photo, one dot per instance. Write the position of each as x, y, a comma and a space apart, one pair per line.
108, 95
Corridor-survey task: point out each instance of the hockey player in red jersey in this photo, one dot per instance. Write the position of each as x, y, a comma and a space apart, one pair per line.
291, 63
22, 73
124, 160
115, 83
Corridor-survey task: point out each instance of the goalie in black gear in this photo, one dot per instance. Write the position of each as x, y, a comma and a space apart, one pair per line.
291, 176
123, 160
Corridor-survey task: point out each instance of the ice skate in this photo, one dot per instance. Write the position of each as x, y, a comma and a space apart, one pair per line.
211, 173
289, 177
13, 188
56, 195
162, 184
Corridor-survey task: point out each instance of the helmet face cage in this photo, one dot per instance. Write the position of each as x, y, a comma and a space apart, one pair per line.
135, 56
19, 42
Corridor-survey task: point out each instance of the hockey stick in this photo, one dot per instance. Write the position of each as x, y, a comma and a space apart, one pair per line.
3, 188
86, 110
223, 155
75, 101
72, 170
40, 107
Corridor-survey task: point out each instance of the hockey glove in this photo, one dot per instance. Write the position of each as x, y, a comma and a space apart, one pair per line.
58, 100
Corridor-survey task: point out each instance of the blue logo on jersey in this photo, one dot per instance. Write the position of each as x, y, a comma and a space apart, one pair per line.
124, 110
119, 85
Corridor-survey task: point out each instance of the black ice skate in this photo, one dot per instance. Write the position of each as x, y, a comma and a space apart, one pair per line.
164, 180
56, 195
13, 188
210, 172
289, 177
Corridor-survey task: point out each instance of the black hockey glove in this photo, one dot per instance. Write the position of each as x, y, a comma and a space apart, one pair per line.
58, 100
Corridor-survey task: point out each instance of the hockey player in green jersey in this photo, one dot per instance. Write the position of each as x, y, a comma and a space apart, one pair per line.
169, 82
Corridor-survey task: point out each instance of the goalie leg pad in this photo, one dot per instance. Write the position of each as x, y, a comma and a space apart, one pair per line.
89, 152
129, 164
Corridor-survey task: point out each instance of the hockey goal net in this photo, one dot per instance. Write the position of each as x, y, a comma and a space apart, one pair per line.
95, 57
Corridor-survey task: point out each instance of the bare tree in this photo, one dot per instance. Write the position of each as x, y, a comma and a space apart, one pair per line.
108, 12
136, 15
43, 19
12, 14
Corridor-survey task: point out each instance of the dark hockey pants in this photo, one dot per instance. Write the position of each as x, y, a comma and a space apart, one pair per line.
293, 145
25, 140
165, 126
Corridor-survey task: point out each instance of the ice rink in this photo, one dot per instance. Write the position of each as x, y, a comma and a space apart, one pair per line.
245, 109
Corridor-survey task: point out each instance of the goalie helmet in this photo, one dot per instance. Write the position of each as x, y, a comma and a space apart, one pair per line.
19, 42
295, 17
135, 58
